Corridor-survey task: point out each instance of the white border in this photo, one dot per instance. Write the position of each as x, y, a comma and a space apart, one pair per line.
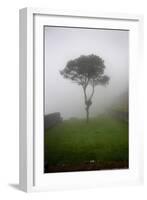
31, 100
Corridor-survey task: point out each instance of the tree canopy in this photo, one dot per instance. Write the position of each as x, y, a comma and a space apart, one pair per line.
86, 70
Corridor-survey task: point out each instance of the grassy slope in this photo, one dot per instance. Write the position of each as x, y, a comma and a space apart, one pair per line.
73, 142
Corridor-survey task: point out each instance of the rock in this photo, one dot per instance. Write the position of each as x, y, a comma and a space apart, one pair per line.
92, 161
52, 119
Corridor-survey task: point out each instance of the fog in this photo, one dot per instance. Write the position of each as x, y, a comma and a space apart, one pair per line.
64, 44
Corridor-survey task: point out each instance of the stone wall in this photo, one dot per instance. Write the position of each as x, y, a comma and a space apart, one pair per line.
121, 115
52, 119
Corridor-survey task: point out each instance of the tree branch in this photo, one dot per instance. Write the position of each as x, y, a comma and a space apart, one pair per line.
92, 91
85, 95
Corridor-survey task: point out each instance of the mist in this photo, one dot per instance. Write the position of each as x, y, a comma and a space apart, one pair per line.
64, 44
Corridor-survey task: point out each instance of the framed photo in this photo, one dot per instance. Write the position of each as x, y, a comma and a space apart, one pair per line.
80, 80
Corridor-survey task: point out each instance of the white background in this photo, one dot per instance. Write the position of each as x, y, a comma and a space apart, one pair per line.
9, 100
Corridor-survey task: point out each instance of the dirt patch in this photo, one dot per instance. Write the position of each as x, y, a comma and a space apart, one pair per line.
89, 166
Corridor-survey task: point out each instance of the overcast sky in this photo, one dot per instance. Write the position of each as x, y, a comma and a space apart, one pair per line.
64, 44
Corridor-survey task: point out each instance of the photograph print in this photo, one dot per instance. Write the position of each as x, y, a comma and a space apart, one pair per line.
86, 104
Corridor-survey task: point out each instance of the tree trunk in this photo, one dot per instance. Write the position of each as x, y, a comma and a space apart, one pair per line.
87, 114
88, 102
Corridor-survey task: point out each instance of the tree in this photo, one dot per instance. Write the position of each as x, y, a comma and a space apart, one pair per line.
86, 70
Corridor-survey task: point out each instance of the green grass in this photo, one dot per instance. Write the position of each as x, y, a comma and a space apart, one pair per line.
103, 139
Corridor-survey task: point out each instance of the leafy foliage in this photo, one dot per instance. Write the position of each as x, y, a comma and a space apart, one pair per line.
86, 70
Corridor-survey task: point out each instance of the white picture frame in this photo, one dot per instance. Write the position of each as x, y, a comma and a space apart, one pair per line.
31, 100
